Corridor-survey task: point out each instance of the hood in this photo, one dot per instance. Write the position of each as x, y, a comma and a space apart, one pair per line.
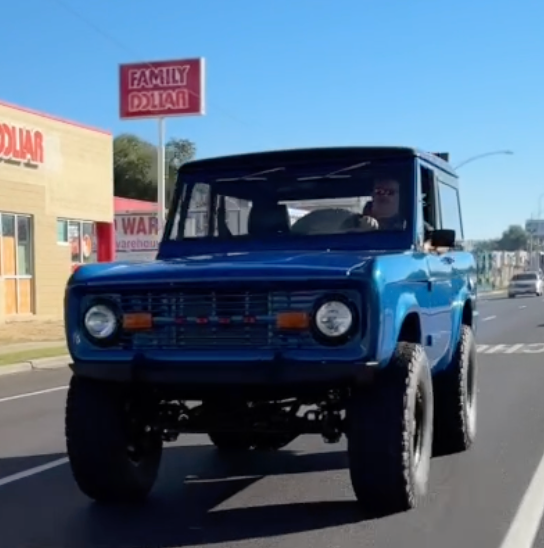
240, 266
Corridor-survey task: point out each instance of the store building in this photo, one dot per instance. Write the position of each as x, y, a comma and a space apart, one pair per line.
56, 201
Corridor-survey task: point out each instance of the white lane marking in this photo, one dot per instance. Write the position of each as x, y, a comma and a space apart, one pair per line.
32, 471
523, 306
496, 349
517, 348
526, 523
488, 318
30, 394
514, 348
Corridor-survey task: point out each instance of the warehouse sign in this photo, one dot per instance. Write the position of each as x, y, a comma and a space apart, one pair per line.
136, 236
19, 145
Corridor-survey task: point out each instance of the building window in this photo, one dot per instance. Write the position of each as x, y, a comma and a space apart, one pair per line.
62, 231
24, 247
8, 245
16, 263
74, 237
80, 235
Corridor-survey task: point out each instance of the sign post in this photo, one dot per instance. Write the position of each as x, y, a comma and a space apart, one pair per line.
161, 175
160, 90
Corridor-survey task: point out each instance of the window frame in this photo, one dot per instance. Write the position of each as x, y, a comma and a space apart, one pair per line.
16, 236
80, 224
440, 183
17, 277
65, 222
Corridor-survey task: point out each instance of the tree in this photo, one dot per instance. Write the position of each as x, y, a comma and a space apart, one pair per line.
485, 246
132, 163
513, 238
135, 165
177, 152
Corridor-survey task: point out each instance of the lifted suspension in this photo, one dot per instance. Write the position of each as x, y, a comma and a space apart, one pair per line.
173, 418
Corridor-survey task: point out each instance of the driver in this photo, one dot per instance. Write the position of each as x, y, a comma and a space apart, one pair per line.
383, 212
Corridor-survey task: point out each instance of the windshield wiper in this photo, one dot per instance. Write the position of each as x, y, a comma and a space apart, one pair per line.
334, 174
251, 176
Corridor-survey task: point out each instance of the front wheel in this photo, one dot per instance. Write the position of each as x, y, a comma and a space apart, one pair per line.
389, 431
113, 458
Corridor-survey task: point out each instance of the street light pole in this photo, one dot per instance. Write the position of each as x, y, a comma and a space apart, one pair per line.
484, 155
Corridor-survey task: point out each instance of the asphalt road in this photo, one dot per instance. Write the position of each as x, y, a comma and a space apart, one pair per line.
300, 496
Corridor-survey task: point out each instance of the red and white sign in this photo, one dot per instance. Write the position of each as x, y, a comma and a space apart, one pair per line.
136, 236
21, 145
162, 89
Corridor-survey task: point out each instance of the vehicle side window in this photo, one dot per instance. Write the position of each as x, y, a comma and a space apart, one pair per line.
428, 200
450, 209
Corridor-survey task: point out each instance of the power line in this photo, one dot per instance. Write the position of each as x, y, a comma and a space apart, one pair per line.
108, 37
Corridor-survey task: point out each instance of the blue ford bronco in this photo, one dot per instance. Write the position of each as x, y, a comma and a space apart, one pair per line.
319, 291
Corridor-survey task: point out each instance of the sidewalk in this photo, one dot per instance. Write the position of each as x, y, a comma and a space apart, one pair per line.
491, 292
24, 357
22, 347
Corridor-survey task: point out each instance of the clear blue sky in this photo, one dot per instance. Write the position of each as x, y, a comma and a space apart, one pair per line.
462, 76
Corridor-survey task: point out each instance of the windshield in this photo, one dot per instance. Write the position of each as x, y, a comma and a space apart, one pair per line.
282, 202
527, 276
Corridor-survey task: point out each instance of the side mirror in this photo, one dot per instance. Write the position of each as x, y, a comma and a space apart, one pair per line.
443, 238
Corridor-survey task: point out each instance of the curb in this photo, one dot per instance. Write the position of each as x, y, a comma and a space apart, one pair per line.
55, 362
494, 292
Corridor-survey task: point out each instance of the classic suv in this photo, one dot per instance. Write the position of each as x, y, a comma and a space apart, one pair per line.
297, 291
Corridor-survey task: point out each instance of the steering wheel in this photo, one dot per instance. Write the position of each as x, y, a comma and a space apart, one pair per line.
361, 223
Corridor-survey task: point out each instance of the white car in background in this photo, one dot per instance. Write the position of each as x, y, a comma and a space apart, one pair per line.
525, 283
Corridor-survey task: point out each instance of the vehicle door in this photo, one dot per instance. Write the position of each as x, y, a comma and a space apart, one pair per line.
440, 275
460, 262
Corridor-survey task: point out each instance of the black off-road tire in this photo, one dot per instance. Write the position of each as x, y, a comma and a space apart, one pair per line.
389, 431
99, 444
455, 395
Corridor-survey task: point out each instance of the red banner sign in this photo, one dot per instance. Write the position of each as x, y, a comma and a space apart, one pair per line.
162, 89
21, 145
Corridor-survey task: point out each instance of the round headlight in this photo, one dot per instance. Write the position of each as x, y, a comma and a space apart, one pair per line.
333, 319
100, 321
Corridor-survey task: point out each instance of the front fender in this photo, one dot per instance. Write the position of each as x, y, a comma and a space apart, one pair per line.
397, 309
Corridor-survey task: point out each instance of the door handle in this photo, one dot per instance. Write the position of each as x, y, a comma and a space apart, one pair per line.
448, 260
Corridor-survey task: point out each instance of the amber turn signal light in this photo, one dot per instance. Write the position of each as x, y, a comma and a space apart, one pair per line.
293, 320
137, 321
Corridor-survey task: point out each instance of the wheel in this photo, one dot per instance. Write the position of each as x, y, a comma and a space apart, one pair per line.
389, 431
455, 394
112, 460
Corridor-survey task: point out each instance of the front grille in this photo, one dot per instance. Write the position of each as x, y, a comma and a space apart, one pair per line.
215, 320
